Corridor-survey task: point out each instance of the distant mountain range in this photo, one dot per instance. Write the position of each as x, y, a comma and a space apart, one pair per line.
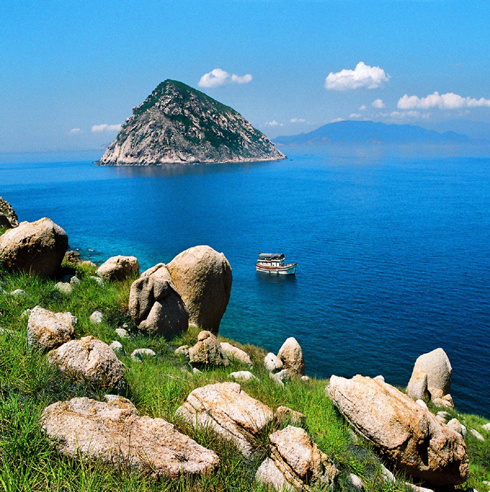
370, 132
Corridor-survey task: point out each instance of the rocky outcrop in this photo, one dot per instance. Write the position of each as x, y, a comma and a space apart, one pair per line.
407, 435
296, 462
203, 277
178, 124
8, 217
291, 356
155, 304
207, 351
47, 330
89, 359
119, 268
114, 432
227, 409
234, 353
34, 247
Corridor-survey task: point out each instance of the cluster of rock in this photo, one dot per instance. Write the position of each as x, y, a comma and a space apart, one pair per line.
289, 362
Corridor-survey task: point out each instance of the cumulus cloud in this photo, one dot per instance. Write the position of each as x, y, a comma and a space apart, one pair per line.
398, 115
336, 120
75, 131
378, 103
355, 115
218, 77
297, 120
105, 128
273, 123
363, 108
441, 101
362, 76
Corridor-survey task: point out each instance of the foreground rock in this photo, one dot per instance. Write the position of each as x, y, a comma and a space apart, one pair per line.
155, 304
8, 217
227, 409
295, 461
114, 432
407, 435
34, 247
207, 351
237, 354
119, 268
47, 330
92, 360
291, 355
203, 277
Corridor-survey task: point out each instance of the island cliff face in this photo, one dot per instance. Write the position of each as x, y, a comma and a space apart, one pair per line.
178, 124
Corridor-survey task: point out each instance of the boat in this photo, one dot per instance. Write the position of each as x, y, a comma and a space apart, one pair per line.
274, 263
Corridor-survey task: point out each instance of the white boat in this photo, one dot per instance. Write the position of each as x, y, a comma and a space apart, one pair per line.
274, 263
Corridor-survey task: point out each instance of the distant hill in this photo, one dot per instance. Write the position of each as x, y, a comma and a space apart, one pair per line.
370, 132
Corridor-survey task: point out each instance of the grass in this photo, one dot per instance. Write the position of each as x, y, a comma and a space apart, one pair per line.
157, 386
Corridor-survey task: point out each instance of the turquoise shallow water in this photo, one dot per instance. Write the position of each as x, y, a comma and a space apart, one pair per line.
393, 252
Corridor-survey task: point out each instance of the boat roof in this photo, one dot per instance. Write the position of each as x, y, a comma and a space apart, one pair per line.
271, 256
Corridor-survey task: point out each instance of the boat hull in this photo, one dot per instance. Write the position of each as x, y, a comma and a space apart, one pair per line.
277, 270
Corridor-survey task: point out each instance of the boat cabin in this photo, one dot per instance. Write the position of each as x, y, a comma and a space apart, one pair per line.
271, 259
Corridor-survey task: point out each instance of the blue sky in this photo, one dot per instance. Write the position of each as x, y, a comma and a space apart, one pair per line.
70, 72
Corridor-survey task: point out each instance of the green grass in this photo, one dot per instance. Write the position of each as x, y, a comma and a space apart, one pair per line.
158, 386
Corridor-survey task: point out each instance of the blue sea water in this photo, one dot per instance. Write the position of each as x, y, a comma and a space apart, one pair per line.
393, 251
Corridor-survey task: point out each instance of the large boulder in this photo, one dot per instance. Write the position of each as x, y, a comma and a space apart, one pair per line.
227, 409
439, 372
8, 217
207, 352
34, 247
203, 277
296, 462
47, 330
404, 433
291, 355
155, 304
112, 431
119, 268
92, 360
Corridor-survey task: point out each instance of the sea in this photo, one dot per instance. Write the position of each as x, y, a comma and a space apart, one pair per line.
392, 246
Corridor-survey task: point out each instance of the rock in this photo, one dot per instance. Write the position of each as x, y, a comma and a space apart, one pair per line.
306, 379
237, 354
122, 333
25, 314
68, 318
47, 330
8, 215
112, 431
119, 268
203, 277
18, 293
291, 356
354, 481
34, 247
439, 372
408, 436
99, 280
117, 348
446, 401
422, 404
91, 360
417, 386
380, 378
207, 351
388, 477
75, 281
155, 304
96, 317
139, 354
272, 363
227, 409
486, 427
416, 488
282, 376
476, 434
196, 371
64, 287
298, 460
183, 350
285, 415
456, 426
443, 417
242, 376
72, 256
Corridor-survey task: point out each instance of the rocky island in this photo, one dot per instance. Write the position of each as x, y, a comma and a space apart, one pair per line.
178, 124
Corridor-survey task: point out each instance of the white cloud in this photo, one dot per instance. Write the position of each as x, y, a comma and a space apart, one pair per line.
363, 76
273, 123
363, 108
378, 103
75, 131
336, 120
297, 120
441, 101
355, 115
398, 115
105, 128
218, 77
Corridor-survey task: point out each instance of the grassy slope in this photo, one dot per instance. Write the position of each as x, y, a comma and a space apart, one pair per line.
28, 461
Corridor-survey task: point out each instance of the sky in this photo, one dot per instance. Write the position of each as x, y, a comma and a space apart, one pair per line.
71, 72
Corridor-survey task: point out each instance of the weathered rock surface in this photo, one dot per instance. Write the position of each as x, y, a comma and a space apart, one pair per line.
122, 333
117, 348
227, 409
272, 363
155, 304
96, 317
64, 288
114, 432
285, 415
291, 356
8, 217
91, 360
207, 351
34, 247
119, 268
408, 436
295, 461
417, 386
203, 277
139, 354
439, 372
235, 353
47, 330
178, 124
241, 376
